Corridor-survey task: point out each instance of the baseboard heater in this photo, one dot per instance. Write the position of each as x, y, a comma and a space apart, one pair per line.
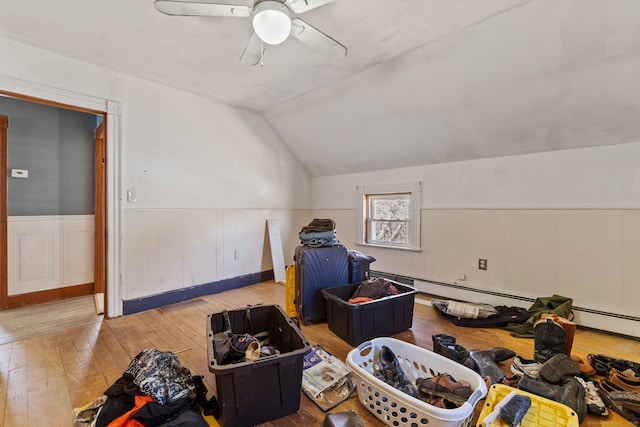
615, 323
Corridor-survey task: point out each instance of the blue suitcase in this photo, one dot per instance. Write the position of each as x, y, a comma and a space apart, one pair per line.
318, 268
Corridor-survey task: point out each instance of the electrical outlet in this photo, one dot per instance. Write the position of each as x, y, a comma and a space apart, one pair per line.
482, 264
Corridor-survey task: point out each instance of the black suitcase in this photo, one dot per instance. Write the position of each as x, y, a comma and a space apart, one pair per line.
318, 268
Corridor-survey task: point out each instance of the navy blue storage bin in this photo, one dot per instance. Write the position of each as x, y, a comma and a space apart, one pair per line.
357, 323
257, 391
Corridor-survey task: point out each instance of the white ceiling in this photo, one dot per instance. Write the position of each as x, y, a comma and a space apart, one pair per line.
424, 81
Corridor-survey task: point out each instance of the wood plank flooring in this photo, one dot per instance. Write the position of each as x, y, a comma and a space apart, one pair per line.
25, 322
45, 374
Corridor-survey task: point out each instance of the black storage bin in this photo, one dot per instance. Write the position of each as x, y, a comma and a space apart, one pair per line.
256, 391
382, 317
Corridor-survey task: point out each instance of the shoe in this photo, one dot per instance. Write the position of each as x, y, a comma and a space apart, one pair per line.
558, 367
568, 326
499, 354
595, 404
603, 364
446, 346
529, 367
619, 400
584, 367
624, 381
253, 351
549, 339
626, 399
521, 366
569, 392
485, 363
444, 383
391, 373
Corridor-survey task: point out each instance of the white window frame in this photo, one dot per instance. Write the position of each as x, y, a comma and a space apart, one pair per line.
412, 188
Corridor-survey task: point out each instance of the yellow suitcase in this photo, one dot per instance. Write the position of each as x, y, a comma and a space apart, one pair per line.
290, 291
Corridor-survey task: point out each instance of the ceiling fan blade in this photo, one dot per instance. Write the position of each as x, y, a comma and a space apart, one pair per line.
190, 8
300, 6
253, 52
318, 40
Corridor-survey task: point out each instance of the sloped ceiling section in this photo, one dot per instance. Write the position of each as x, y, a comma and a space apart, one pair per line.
424, 81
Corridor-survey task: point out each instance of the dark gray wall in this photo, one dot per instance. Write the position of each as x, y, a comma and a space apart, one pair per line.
57, 147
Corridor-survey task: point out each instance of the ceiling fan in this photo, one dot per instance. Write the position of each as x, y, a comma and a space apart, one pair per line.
272, 23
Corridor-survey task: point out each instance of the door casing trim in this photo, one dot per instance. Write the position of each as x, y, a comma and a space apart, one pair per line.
113, 109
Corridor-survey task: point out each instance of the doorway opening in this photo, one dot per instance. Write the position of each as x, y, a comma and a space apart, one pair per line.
44, 243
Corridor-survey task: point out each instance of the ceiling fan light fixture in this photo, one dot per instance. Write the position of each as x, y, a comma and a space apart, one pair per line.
271, 22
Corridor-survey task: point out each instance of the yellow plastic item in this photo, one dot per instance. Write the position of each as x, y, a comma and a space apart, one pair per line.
543, 412
290, 291
211, 421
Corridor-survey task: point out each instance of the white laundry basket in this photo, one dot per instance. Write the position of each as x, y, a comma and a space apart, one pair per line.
396, 408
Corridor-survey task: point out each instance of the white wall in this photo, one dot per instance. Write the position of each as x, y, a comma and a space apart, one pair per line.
564, 222
207, 177
191, 161
602, 177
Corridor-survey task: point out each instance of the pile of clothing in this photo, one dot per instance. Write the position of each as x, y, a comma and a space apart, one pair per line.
319, 233
372, 289
474, 315
154, 390
518, 320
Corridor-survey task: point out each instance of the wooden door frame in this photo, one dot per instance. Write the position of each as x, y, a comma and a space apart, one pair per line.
99, 215
99, 265
4, 126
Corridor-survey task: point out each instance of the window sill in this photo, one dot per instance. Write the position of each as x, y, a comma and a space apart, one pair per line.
400, 248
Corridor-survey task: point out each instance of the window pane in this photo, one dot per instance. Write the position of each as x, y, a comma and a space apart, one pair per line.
393, 232
390, 208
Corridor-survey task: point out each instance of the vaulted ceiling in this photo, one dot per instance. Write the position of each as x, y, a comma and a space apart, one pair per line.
424, 81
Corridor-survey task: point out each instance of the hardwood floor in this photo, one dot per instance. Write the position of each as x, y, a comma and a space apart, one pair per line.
44, 376
43, 319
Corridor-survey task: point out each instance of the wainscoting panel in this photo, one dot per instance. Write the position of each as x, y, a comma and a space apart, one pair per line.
77, 257
589, 255
167, 250
586, 254
34, 258
49, 252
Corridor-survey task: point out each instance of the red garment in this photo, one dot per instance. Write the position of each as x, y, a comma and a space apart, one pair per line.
125, 420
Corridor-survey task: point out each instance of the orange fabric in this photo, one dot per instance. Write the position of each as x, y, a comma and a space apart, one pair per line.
358, 300
124, 419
